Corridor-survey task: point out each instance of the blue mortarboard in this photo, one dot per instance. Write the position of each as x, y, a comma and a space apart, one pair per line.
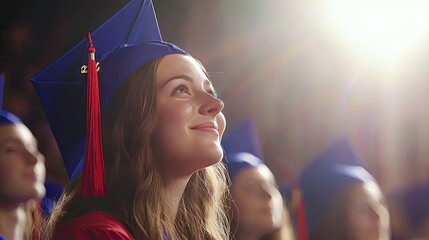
242, 147
332, 172
5, 116
124, 43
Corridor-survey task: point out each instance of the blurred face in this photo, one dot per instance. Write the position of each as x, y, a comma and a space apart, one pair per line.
22, 166
367, 216
259, 203
190, 122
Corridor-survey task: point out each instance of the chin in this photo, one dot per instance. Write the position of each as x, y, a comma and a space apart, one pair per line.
38, 192
209, 161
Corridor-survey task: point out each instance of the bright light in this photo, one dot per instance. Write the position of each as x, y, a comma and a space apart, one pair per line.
379, 29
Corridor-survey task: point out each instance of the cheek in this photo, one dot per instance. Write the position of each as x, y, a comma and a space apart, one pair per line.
245, 202
9, 170
358, 219
8, 167
171, 125
221, 121
175, 113
244, 208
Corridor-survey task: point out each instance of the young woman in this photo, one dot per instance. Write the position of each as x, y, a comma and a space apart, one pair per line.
161, 132
257, 207
341, 198
22, 174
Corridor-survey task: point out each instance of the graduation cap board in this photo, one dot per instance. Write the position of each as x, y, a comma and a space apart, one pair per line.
242, 148
333, 171
67, 88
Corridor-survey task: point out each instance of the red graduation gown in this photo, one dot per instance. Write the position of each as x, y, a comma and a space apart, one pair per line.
94, 225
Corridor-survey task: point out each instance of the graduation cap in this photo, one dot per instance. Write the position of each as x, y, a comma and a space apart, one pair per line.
242, 147
336, 169
5, 116
69, 91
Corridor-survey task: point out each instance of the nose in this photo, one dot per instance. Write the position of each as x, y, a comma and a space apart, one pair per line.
375, 214
212, 105
33, 157
266, 192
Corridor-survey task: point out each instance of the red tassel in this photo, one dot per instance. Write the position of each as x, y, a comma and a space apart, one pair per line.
298, 205
93, 179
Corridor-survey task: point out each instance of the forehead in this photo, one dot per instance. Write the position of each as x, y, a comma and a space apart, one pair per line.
179, 64
19, 132
254, 174
366, 190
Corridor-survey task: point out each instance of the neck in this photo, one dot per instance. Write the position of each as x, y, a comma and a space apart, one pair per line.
12, 221
174, 192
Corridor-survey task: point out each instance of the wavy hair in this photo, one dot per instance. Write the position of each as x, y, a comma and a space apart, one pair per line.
137, 187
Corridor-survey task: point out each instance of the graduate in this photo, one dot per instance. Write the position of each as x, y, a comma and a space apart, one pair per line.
341, 199
139, 127
257, 207
22, 176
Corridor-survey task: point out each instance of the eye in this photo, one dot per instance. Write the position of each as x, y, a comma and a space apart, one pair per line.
182, 89
252, 189
212, 92
10, 149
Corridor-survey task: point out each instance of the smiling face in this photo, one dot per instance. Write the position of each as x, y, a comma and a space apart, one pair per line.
190, 123
258, 201
22, 167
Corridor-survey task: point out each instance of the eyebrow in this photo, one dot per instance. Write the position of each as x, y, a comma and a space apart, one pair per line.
185, 77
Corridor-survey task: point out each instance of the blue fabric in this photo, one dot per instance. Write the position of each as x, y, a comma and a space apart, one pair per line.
8, 118
242, 148
53, 193
242, 138
237, 162
123, 44
332, 172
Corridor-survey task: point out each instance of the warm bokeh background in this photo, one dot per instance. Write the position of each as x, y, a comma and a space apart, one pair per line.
307, 71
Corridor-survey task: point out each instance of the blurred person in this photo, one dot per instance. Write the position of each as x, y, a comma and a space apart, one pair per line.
257, 207
22, 175
159, 143
341, 199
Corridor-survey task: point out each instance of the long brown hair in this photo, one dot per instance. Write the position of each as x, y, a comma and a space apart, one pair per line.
136, 185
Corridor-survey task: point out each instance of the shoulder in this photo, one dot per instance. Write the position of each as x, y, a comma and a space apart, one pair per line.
94, 225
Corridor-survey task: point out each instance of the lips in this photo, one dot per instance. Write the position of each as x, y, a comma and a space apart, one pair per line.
210, 127
33, 176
